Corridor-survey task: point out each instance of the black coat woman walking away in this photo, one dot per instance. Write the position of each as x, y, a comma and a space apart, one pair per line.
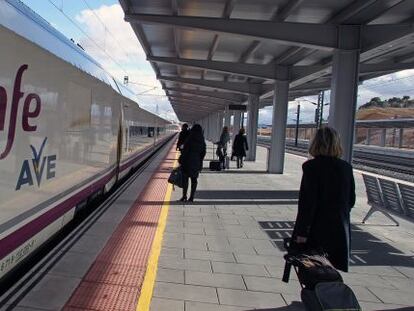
239, 147
191, 160
327, 194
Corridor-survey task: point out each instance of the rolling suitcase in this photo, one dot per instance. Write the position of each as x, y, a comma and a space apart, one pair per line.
215, 165
322, 285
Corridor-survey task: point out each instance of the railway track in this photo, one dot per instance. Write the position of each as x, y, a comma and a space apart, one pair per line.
388, 165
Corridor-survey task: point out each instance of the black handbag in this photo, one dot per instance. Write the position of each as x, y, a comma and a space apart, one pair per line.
176, 177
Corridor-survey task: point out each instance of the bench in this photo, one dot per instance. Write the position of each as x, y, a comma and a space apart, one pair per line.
388, 197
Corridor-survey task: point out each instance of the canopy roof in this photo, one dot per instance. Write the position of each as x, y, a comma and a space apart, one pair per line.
210, 53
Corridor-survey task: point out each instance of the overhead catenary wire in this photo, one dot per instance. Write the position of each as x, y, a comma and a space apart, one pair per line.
60, 9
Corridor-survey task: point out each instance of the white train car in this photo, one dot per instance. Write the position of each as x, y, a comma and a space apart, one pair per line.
68, 130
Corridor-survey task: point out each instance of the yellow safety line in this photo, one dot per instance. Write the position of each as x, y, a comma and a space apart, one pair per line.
151, 273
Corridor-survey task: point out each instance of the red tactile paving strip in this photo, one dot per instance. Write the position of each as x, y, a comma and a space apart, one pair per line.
114, 280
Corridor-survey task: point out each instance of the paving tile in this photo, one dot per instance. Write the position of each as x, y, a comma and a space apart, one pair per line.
207, 255
91, 244
370, 306
260, 259
172, 252
366, 280
184, 264
236, 268
225, 247
250, 299
51, 293
170, 275
407, 271
394, 296
376, 270
73, 264
400, 283
161, 304
266, 284
214, 279
185, 292
364, 294
199, 306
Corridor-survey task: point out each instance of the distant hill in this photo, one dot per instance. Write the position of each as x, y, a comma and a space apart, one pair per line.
393, 102
392, 108
384, 113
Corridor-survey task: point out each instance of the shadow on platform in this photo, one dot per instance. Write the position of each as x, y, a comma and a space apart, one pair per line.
367, 250
232, 171
210, 202
248, 194
294, 306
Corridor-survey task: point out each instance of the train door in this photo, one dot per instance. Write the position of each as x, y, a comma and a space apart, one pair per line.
119, 143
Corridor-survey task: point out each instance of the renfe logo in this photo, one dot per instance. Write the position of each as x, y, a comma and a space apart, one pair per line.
27, 113
31, 109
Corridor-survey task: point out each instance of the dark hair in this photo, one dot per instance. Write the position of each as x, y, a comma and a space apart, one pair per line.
326, 143
196, 128
184, 126
242, 131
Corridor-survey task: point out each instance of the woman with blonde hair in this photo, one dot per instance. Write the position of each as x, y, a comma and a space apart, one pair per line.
327, 194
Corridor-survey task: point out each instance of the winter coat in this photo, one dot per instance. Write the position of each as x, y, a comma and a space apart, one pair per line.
182, 138
327, 194
224, 139
192, 155
240, 145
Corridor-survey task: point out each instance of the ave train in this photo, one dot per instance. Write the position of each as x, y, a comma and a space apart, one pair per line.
68, 132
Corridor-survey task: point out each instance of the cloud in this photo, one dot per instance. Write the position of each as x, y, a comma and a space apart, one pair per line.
113, 43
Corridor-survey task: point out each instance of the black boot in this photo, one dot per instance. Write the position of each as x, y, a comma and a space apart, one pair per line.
193, 190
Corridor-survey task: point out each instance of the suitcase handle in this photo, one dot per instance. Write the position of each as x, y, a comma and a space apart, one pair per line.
286, 272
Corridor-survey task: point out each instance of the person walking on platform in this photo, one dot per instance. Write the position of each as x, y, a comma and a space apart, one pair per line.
182, 136
326, 196
222, 146
239, 147
191, 160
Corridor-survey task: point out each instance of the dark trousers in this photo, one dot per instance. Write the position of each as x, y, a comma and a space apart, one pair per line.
239, 161
193, 185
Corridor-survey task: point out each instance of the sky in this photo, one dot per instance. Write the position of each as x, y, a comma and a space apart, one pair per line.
99, 27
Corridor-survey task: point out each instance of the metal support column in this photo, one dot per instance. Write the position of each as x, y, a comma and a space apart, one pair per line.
227, 116
344, 87
219, 126
401, 138
276, 157
236, 123
252, 122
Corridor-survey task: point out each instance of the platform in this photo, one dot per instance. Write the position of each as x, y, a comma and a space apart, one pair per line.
221, 253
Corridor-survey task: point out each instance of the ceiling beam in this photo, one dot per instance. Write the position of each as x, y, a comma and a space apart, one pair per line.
350, 10
284, 12
209, 100
300, 34
249, 51
272, 72
384, 67
194, 99
385, 37
372, 12
242, 88
191, 106
230, 97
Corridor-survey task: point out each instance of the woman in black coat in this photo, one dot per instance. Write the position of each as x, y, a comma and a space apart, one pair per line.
239, 147
182, 136
327, 194
191, 160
